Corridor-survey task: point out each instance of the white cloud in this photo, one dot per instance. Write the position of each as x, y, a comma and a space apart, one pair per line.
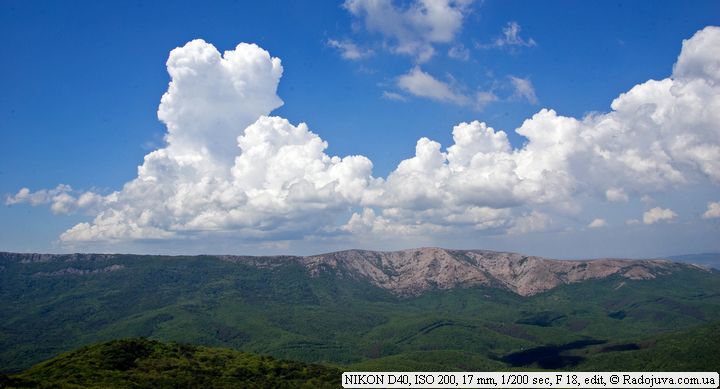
713, 211
459, 52
43, 196
524, 89
271, 178
698, 59
533, 222
414, 29
616, 195
483, 98
393, 96
645, 144
60, 199
511, 38
349, 50
229, 169
422, 84
212, 97
658, 214
597, 223
281, 183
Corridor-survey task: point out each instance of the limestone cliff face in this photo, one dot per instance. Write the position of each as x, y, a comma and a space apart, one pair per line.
411, 272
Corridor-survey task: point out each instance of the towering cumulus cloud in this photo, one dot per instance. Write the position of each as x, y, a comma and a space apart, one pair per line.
226, 166
229, 169
212, 97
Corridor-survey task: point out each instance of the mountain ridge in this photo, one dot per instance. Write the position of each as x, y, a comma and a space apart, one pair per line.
411, 272
324, 309
414, 271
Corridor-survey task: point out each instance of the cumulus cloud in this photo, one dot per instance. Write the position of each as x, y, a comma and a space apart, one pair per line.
281, 184
228, 168
616, 195
43, 196
659, 135
414, 29
523, 89
422, 84
698, 59
212, 96
713, 211
532, 222
597, 223
349, 50
61, 199
658, 214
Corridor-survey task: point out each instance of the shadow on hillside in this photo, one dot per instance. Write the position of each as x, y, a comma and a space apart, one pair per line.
550, 357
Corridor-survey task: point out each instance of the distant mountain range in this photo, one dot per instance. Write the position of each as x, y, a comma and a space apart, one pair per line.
414, 271
417, 309
706, 259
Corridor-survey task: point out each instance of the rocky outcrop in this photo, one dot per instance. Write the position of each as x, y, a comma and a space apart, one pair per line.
260, 262
411, 272
43, 258
78, 272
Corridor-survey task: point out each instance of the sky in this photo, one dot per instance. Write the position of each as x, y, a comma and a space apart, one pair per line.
564, 129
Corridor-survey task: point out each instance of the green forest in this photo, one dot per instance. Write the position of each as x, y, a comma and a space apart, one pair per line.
216, 309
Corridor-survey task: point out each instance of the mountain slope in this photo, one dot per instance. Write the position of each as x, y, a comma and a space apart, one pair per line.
414, 271
141, 362
707, 259
146, 363
304, 308
694, 349
411, 272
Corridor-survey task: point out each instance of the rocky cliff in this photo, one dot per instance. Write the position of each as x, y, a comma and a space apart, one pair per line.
414, 271
411, 272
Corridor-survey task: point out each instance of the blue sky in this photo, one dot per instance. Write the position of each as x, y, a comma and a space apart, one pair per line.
80, 85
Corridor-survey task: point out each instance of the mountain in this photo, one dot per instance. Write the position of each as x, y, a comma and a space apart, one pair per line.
127, 362
414, 271
706, 259
414, 309
149, 363
411, 272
